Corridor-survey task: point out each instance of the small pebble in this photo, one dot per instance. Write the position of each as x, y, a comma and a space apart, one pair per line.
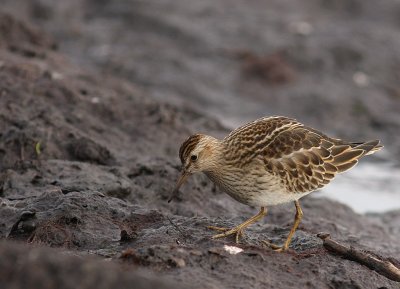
56, 75
361, 79
95, 100
301, 28
178, 262
232, 249
323, 235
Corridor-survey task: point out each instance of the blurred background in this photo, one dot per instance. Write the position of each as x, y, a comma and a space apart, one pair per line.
333, 65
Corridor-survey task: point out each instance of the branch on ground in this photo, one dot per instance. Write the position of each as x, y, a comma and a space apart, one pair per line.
383, 267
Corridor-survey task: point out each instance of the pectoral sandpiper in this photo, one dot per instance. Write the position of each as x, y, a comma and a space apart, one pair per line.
270, 161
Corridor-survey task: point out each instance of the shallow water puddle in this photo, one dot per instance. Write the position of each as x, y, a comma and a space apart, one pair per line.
369, 187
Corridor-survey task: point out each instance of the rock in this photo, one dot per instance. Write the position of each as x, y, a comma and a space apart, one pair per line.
29, 267
84, 149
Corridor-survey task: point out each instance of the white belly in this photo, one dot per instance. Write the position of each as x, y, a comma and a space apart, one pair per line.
268, 198
256, 190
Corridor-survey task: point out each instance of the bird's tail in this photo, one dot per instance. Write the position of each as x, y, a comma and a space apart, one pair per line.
345, 156
369, 147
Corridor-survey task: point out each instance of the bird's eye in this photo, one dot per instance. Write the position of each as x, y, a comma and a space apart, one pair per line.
193, 157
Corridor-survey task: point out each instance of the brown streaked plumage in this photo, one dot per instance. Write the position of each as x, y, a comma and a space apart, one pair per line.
270, 161
188, 146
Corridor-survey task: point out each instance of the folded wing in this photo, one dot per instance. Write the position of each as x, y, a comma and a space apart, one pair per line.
307, 160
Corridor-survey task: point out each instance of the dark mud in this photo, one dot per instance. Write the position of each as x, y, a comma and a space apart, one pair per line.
334, 66
88, 159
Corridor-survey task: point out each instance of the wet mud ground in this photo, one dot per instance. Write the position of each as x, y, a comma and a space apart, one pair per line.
88, 158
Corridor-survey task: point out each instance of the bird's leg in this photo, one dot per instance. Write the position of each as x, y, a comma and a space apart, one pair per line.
238, 230
297, 219
222, 229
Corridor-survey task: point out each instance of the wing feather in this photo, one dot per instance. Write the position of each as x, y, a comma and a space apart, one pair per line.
303, 157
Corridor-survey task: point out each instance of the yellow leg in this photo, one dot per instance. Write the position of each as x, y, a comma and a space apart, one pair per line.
238, 230
297, 219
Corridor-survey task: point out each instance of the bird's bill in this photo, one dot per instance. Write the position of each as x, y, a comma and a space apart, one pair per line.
181, 180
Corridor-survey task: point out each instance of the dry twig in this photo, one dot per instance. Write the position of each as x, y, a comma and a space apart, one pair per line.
183, 234
383, 267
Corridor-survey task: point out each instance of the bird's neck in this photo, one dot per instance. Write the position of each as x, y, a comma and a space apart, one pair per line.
216, 159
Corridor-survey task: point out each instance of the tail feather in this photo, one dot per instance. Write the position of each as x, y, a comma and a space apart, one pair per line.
347, 156
369, 147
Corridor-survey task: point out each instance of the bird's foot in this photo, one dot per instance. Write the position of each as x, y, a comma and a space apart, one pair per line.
238, 231
274, 247
221, 229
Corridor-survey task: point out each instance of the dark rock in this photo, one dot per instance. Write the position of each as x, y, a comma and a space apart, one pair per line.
84, 149
30, 267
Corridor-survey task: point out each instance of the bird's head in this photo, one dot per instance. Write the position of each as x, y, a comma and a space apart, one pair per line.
197, 154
